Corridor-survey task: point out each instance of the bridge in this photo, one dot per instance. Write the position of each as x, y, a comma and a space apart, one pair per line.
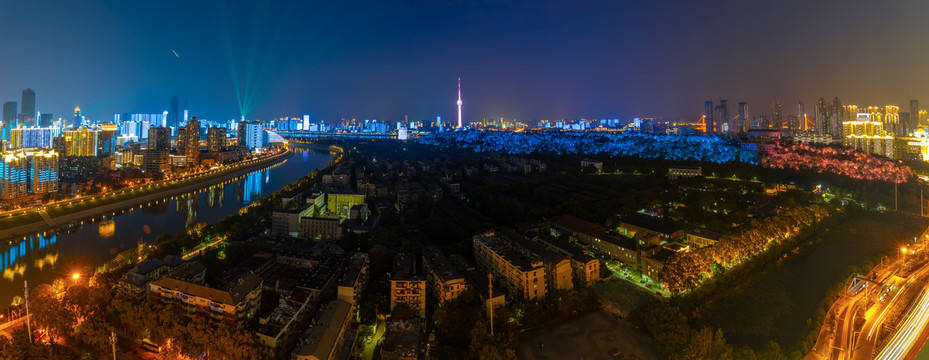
857, 283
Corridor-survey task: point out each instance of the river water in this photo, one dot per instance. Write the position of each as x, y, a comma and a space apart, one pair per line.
45, 256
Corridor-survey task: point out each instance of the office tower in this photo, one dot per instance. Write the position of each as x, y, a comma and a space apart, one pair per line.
777, 116
216, 139
80, 142
45, 120
173, 113
837, 115
744, 121
192, 148
43, 172
159, 138
801, 117
709, 123
9, 113
78, 119
27, 117
182, 140
914, 114
251, 135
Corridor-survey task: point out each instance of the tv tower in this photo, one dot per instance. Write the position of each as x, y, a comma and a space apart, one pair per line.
459, 102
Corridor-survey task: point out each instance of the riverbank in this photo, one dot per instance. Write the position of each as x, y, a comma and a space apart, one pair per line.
146, 194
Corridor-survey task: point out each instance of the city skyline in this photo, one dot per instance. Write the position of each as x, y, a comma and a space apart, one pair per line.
525, 61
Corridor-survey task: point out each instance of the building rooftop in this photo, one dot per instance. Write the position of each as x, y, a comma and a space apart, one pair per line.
440, 264
649, 222
240, 289
404, 267
147, 266
574, 251
319, 339
173, 260
354, 269
706, 234
573, 224
523, 244
518, 259
187, 272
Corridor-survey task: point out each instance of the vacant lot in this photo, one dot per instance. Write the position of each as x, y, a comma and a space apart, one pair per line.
591, 336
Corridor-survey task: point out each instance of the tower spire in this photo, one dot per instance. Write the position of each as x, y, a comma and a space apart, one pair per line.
459, 102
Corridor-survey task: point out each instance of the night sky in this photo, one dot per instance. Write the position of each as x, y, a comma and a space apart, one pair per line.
528, 60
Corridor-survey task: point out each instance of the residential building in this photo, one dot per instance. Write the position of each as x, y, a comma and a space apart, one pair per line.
231, 303
702, 238
323, 339
192, 142
324, 228
406, 286
523, 276
354, 279
444, 281
216, 139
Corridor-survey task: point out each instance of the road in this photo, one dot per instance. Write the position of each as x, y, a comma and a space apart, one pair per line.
40, 225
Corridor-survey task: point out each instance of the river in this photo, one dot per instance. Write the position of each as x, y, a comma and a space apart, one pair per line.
43, 257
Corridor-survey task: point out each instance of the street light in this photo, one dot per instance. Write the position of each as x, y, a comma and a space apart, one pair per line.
75, 276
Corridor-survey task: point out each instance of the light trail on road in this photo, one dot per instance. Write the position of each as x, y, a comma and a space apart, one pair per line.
908, 334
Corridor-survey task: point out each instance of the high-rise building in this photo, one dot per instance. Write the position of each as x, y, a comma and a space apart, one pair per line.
777, 116
914, 114
14, 174
9, 113
708, 120
106, 142
45, 120
159, 138
835, 125
182, 140
241, 130
744, 121
78, 119
801, 117
31, 137
80, 142
216, 139
173, 113
43, 172
251, 135
892, 119
822, 115
27, 117
192, 148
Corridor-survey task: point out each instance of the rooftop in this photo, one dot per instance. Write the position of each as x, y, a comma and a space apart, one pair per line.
648, 222
354, 269
440, 264
319, 339
573, 224
523, 244
520, 260
242, 287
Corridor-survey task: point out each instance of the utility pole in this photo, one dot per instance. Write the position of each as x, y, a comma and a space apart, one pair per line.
490, 298
113, 343
895, 196
26, 295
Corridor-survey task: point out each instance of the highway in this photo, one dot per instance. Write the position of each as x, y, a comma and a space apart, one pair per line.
905, 340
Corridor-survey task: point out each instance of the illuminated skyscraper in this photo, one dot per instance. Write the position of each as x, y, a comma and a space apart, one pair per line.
216, 139
27, 117
835, 124
709, 122
192, 148
45, 120
14, 174
914, 114
78, 119
744, 121
159, 138
182, 140
80, 142
459, 102
43, 172
777, 116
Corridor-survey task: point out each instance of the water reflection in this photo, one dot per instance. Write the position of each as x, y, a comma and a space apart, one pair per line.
42, 257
